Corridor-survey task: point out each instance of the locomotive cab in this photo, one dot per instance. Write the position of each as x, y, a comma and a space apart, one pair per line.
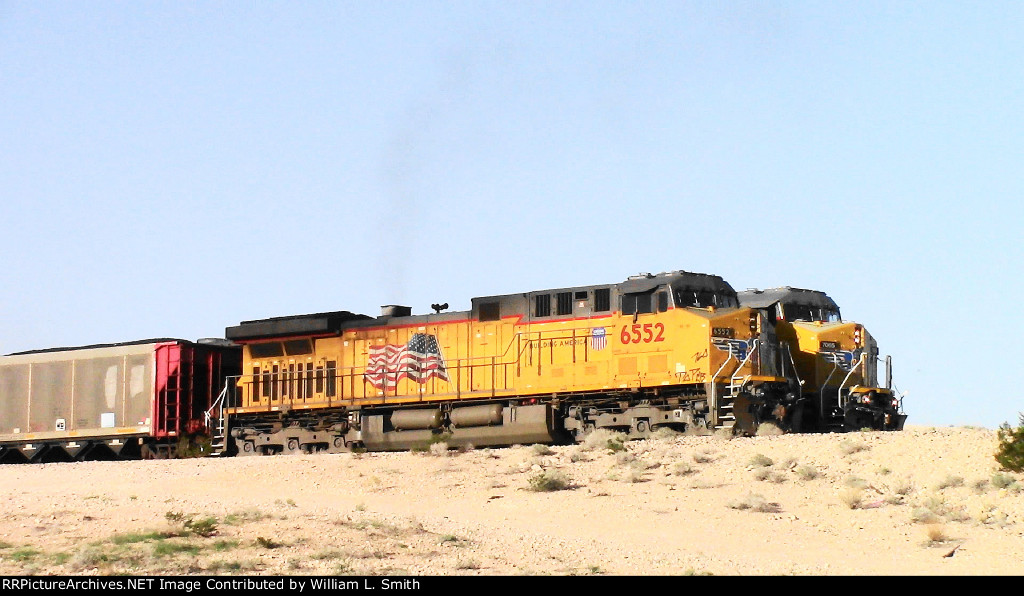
836, 360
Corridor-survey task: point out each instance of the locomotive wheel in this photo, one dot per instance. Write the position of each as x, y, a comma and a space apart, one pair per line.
746, 421
796, 423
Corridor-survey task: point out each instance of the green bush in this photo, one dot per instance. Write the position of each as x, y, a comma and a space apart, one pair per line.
1010, 453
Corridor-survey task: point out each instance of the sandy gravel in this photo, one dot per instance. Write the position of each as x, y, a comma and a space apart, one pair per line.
926, 501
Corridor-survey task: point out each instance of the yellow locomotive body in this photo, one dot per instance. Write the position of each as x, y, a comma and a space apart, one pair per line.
673, 349
836, 361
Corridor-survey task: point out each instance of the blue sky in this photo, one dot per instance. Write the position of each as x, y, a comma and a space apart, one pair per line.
173, 168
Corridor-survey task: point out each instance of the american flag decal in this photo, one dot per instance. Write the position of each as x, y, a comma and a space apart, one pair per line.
419, 360
598, 338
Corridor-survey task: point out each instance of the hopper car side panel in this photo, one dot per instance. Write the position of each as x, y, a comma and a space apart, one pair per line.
106, 401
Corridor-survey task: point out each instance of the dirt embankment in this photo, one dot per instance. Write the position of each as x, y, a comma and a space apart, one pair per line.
926, 501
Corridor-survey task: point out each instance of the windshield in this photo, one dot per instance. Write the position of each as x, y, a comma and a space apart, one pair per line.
685, 297
804, 312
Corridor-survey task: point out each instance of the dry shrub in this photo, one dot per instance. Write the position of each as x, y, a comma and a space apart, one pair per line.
694, 430
989, 515
903, 487
807, 472
724, 433
923, 515
849, 447
635, 472
768, 429
604, 439
754, 502
934, 508
852, 497
769, 475
1000, 480
549, 481
856, 482
664, 433
936, 533
703, 457
761, 461
541, 449
439, 449
682, 468
949, 481
578, 455
623, 459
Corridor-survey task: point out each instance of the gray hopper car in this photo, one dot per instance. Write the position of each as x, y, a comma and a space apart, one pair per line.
132, 399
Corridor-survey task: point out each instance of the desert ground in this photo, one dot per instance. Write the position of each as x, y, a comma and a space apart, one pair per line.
924, 501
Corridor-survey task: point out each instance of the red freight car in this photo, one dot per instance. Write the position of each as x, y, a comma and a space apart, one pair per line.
132, 399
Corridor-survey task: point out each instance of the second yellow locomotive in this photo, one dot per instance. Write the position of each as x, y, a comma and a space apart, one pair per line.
836, 362
668, 350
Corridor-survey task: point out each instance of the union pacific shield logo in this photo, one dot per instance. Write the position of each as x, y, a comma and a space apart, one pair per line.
737, 347
842, 359
598, 338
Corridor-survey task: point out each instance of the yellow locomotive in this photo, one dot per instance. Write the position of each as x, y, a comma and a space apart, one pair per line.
668, 350
836, 362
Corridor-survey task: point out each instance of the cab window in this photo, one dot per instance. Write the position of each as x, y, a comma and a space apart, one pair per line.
689, 297
637, 303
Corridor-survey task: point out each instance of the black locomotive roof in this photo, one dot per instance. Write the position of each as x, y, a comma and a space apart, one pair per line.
323, 322
786, 295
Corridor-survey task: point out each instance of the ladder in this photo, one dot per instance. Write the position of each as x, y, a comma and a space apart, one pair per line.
216, 420
724, 406
178, 391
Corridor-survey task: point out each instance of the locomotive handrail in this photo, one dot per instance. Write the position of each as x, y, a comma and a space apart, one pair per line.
824, 386
839, 391
207, 416
796, 373
714, 387
750, 352
347, 377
